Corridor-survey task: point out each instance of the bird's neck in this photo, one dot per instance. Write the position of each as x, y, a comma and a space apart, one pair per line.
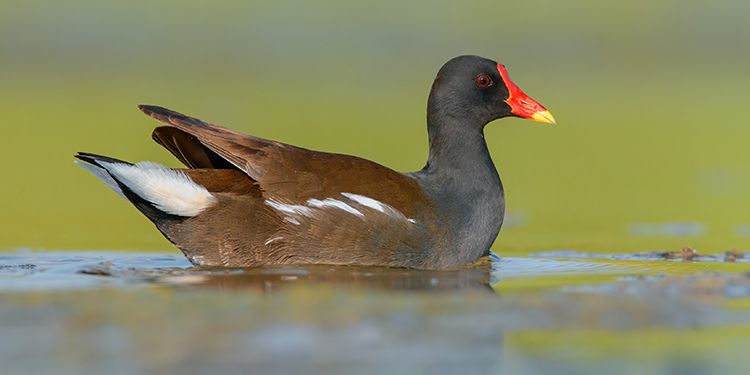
457, 148
465, 188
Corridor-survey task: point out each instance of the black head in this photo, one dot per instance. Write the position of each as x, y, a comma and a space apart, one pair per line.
474, 91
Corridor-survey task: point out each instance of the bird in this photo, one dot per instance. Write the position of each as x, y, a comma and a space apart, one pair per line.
246, 201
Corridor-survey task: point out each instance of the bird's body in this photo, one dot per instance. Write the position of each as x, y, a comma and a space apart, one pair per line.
248, 201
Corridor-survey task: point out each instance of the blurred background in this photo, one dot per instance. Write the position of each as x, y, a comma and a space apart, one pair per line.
650, 97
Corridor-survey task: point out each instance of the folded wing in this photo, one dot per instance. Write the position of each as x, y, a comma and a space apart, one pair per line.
283, 172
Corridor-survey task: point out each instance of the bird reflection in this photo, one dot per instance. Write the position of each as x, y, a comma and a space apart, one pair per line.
271, 279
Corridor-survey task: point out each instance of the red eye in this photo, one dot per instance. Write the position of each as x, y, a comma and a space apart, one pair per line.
483, 80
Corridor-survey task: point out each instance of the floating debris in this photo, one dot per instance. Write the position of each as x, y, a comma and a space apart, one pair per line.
733, 255
101, 269
687, 254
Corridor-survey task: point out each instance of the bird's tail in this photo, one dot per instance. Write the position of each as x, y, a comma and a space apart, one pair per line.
162, 194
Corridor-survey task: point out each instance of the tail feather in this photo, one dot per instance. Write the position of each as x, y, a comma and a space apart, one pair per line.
95, 159
171, 117
162, 194
104, 176
169, 190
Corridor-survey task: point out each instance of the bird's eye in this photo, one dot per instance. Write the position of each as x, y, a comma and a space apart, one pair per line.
483, 80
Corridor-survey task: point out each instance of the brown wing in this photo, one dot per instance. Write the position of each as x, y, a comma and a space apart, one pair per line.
187, 149
282, 171
229, 181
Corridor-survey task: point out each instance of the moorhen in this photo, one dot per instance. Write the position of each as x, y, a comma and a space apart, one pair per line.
248, 201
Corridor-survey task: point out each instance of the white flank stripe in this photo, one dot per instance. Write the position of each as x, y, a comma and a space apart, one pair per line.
378, 206
366, 201
169, 190
330, 202
273, 239
294, 209
293, 213
291, 220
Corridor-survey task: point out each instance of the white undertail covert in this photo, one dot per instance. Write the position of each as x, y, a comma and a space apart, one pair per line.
169, 190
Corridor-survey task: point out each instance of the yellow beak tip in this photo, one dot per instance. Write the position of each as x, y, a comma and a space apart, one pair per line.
544, 116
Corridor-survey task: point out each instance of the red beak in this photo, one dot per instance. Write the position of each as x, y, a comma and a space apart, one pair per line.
521, 104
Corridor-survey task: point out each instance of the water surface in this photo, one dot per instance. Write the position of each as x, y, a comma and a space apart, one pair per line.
109, 312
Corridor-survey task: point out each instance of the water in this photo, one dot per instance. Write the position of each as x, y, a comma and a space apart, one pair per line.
109, 312
31, 271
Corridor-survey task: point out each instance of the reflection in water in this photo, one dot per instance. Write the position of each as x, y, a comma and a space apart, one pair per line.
479, 276
48, 271
271, 279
